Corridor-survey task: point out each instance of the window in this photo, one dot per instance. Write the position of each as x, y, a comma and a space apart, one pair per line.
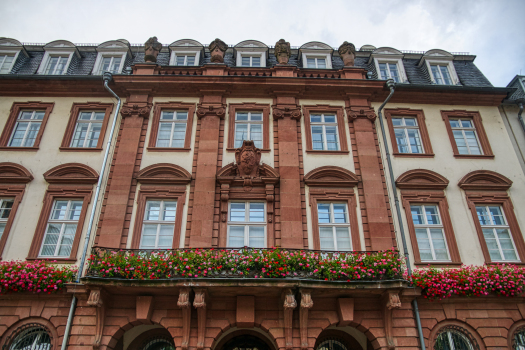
496, 232
247, 225
6, 63
172, 127
249, 126
6, 204
389, 71
519, 339
452, 339
315, 62
26, 128
441, 74
61, 228
185, 60
467, 134
87, 130
250, 53
251, 61
334, 226
56, 65
429, 233
158, 225
31, 337
406, 131
111, 64
324, 132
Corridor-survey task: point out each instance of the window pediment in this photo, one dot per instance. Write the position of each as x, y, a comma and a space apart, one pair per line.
331, 176
186, 52
74, 173
421, 179
483, 180
14, 173
164, 173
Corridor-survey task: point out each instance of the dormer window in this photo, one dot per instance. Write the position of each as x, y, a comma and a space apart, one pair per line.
57, 58
440, 74
185, 52
6, 63
111, 57
389, 64
251, 53
389, 71
440, 67
316, 55
9, 51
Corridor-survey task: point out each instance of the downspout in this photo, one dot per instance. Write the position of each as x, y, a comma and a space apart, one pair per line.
107, 77
391, 85
520, 118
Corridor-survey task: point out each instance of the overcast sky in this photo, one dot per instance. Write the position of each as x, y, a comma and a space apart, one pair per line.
493, 30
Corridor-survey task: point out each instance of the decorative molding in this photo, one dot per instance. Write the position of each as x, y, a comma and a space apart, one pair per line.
290, 112
282, 51
218, 110
185, 304
71, 173
289, 304
360, 112
331, 176
306, 304
14, 173
390, 301
484, 180
141, 110
98, 300
164, 173
421, 179
200, 304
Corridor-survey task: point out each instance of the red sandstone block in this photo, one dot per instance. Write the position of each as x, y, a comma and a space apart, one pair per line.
81, 339
495, 341
406, 342
490, 332
171, 322
8, 320
476, 323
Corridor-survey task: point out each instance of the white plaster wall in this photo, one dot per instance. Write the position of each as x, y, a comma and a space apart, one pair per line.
505, 162
509, 114
38, 162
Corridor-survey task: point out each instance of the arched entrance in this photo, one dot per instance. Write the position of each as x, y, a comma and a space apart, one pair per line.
244, 339
339, 339
145, 337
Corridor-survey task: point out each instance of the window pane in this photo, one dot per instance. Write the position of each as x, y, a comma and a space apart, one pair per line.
483, 216
311, 62
316, 118
31, 134
75, 209
190, 60
401, 140
393, 72
59, 210
256, 117
241, 134
326, 238
432, 215
256, 134
321, 63
180, 60
256, 237
236, 237
460, 141
257, 212
397, 121
329, 119
472, 142
317, 137
116, 64
152, 211
149, 236
165, 240
323, 213
245, 61
423, 243
94, 134
237, 211
415, 140
410, 122
383, 71
179, 135
446, 75
436, 75
331, 138
438, 241
18, 134
454, 123
343, 238
167, 115
256, 61
492, 245
417, 214
5, 208
169, 211
497, 216
340, 215
182, 115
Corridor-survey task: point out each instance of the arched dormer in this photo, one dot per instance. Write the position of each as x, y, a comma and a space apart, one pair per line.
387, 50
250, 53
111, 56
421, 179
483, 180
186, 52
14, 173
9, 51
331, 176
367, 48
440, 67
75, 173
315, 54
164, 173
57, 58
389, 64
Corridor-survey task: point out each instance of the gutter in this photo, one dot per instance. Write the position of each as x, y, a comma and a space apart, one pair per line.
107, 77
391, 85
520, 118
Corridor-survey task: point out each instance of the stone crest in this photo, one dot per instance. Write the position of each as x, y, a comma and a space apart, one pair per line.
217, 49
152, 48
247, 158
282, 51
347, 53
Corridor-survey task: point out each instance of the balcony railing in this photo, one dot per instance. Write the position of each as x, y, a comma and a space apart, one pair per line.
274, 263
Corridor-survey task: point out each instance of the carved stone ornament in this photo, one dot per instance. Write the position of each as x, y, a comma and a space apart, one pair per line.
185, 304
282, 51
248, 158
200, 304
306, 304
354, 113
347, 53
289, 304
152, 48
141, 110
217, 110
281, 112
390, 301
217, 49
98, 299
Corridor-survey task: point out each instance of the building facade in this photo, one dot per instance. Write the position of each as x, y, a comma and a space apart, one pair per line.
221, 153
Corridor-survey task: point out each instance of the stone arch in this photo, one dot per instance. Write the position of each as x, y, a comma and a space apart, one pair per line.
233, 332
331, 176
252, 43
465, 328
121, 44
59, 43
9, 42
48, 325
186, 43
347, 335
12, 172
372, 342
421, 179
485, 180
164, 173
74, 173
115, 339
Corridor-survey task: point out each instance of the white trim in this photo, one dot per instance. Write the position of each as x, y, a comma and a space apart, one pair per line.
54, 53
250, 52
427, 227
4, 52
382, 58
102, 54
442, 61
316, 53
333, 225
247, 223
184, 52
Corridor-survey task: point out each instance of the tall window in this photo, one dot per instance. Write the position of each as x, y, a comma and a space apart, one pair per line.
251, 61
389, 71
441, 74
185, 60
56, 65
172, 129
158, 225
324, 132
6, 63
496, 233
32, 337
247, 225
61, 228
26, 129
111, 64
334, 226
248, 126
87, 129
429, 233
315, 62
407, 135
452, 339
465, 136
6, 204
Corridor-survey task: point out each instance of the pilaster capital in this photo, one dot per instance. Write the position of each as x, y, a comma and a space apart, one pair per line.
141, 110
204, 109
293, 112
360, 112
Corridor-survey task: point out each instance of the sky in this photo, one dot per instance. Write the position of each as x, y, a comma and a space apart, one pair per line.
493, 30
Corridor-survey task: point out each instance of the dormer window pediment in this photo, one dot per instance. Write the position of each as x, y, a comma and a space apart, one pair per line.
389, 64
9, 51
316, 55
111, 57
251, 53
57, 57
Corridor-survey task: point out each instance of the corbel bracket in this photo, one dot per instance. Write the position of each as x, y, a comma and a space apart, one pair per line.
200, 304
390, 301
306, 304
185, 304
98, 299
289, 304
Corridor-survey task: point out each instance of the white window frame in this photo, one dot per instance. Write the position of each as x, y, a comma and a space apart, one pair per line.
247, 223
324, 125
427, 227
6, 53
249, 122
3, 221
97, 68
462, 129
333, 225
90, 126
316, 53
451, 70
11, 47
63, 223
494, 228
405, 128
183, 51
159, 222
245, 53
400, 68
173, 122
30, 121
53, 52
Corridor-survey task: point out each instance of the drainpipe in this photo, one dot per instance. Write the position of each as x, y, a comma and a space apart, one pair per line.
107, 77
520, 118
391, 85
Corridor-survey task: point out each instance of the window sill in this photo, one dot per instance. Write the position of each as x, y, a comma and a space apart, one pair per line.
474, 156
58, 260
311, 151
263, 150
167, 149
80, 149
7, 148
414, 155
439, 264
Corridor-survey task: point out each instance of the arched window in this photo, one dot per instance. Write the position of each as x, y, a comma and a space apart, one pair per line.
455, 338
159, 343
519, 339
32, 336
331, 344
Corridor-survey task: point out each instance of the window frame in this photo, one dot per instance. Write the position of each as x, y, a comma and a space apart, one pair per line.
335, 195
248, 52
442, 62
246, 224
334, 225
341, 128
234, 108
419, 115
480, 131
10, 124
389, 60
157, 111
6, 53
15, 192
157, 223
428, 227
97, 68
54, 53
156, 192
76, 109
184, 52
